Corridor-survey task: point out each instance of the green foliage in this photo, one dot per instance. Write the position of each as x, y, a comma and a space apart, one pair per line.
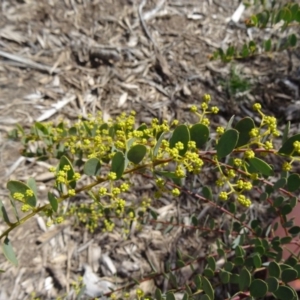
288, 14
120, 152
170, 154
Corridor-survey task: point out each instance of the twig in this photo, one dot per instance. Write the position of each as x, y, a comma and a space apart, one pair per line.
28, 62
144, 26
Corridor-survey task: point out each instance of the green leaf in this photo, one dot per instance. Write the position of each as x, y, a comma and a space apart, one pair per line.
209, 273
286, 209
157, 146
205, 297
208, 289
3, 213
228, 266
274, 269
285, 14
234, 278
239, 251
273, 284
268, 45
32, 184
280, 183
244, 126
297, 268
198, 282
292, 261
297, 16
294, 230
137, 153
73, 131
8, 251
180, 134
227, 143
230, 51
40, 129
293, 182
285, 292
20, 187
170, 296
207, 193
229, 124
180, 263
258, 288
211, 263
245, 51
232, 207
199, 134
263, 18
256, 261
294, 9
157, 294
292, 40
286, 132
287, 148
244, 279
173, 280
92, 167
293, 201
53, 201
238, 260
278, 201
118, 164
261, 166
289, 275
224, 276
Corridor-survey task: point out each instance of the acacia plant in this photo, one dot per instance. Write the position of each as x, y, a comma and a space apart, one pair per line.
171, 154
114, 151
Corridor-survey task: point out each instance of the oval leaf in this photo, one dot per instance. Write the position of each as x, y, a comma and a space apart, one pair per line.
287, 148
207, 192
285, 292
158, 294
170, 296
280, 183
92, 167
136, 153
227, 143
273, 284
118, 164
199, 134
261, 166
274, 269
180, 134
20, 187
293, 182
243, 127
258, 288
289, 275
208, 289
53, 201
8, 251
244, 279
224, 276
